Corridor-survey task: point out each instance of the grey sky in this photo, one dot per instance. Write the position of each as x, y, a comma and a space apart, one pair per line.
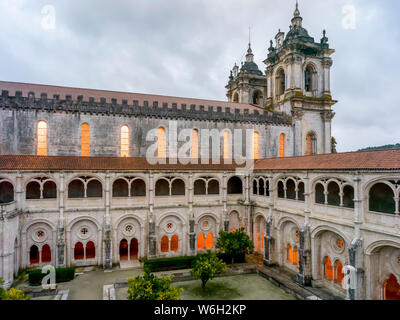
187, 48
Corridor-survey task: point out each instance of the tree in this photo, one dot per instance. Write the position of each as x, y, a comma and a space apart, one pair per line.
13, 294
234, 243
206, 267
151, 287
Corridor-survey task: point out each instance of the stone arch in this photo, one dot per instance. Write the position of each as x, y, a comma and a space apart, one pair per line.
236, 97
170, 230
206, 224
235, 185
84, 234
7, 191
259, 231
234, 221
39, 234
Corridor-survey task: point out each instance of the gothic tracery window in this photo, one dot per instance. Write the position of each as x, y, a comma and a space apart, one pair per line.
125, 141
41, 137
85, 140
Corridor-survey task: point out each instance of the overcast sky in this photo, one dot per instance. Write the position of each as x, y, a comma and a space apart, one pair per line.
187, 48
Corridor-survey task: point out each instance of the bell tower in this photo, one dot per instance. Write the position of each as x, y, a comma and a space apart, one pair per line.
247, 84
298, 82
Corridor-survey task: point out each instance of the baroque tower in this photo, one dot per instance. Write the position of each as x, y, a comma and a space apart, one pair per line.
298, 82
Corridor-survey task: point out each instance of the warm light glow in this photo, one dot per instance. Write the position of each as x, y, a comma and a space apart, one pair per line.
42, 138
339, 275
262, 241
256, 145
309, 145
282, 145
289, 254
174, 243
391, 289
200, 241
85, 140
124, 141
209, 241
226, 145
164, 244
296, 256
328, 269
161, 143
195, 144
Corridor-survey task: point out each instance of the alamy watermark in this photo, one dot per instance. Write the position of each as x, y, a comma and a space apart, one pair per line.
349, 17
48, 17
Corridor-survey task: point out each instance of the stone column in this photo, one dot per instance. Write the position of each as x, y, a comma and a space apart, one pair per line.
107, 238
304, 277
327, 64
192, 235
268, 245
152, 227
297, 115
354, 291
327, 117
60, 260
224, 200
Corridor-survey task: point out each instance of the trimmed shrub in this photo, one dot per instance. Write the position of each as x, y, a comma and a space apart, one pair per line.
238, 258
62, 275
164, 264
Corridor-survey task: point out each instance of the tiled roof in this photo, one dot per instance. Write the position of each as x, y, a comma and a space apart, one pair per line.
366, 160
50, 90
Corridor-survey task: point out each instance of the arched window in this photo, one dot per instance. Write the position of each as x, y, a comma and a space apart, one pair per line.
161, 143
281, 190
33, 190
123, 250
164, 244
257, 97
235, 185
328, 269
262, 241
174, 243
261, 189
280, 82
339, 275
46, 253
195, 144
381, 199
49, 190
120, 188
213, 187
162, 187
226, 145
76, 189
308, 79
289, 254
200, 241
236, 97
255, 187
311, 144
296, 255
90, 250
333, 194
41, 138
138, 188
209, 241
6, 192
319, 193
300, 191
199, 187
85, 140
79, 251
125, 141
94, 189
134, 249
290, 189
34, 255
281, 145
256, 145
178, 188
391, 289
348, 197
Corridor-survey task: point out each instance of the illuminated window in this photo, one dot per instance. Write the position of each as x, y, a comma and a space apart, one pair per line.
42, 138
161, 143
164, 244
256, 145
85, 140
174, 243
79, 251
289, 252
282, 145
262, 241
46, 253
225, 145
90, 250
391, 289
195, 144
200, 241
311, 144
339, 275
124, 141
296, 256
209, 241
328, 269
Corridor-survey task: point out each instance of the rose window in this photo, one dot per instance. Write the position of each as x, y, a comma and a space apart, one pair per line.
128, 228
169, 226
84, 231
40, 234
205, 224
339, 243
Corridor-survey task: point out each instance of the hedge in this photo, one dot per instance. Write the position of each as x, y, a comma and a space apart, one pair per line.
239, 258
175, 263
62, 275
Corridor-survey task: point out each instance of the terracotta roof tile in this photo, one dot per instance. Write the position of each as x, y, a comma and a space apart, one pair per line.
367, 160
